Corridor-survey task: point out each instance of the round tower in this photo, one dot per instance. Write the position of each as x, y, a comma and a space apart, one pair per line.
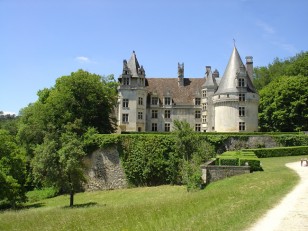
236, 99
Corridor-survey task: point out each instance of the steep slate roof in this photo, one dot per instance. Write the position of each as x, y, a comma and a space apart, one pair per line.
133, 65
169, 87
228, 82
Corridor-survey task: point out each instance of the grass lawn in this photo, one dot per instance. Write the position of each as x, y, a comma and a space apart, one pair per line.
231, 204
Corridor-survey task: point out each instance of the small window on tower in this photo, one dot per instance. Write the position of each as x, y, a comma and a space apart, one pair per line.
203, 93
197, 101
197, 127
197, 114
242, 126
125, 103
140, 101
241, 82
241, 111
241, 97
125, 118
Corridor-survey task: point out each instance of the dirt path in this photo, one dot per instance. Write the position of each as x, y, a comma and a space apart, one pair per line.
291, 214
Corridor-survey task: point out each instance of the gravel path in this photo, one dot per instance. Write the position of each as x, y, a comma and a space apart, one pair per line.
291, 214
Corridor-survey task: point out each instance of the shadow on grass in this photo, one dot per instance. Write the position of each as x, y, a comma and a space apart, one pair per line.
84, 205
21, 207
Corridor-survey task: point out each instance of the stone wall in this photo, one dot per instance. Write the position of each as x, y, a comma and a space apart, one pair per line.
211, 173
232, 144
104, 170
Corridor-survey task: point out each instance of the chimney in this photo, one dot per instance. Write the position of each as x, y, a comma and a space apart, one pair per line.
249, 67
181, 74
207, 70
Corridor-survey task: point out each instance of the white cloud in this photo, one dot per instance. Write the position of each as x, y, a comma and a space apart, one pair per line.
9, 113
266, 27
83, 59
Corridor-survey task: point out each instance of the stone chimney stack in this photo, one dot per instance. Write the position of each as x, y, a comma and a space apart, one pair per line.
207, 70
181, 74
249, 67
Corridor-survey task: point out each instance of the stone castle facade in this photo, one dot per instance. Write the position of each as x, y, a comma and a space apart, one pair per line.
208, 104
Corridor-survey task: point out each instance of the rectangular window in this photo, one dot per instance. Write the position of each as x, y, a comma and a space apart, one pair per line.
241, 111
154, 114
125, 103
154, 100
242, 126
154, 127
241, 82
140, 101
198, 114
140, 115
167, 101
197, 101
203, 93
167, 114
241, 97
125, 118
204, 119
125, 81
204, 107
167, 127
197, 127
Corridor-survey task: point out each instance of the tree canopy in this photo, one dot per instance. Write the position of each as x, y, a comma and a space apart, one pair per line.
12, 171
52, 128
297, 65
283, 104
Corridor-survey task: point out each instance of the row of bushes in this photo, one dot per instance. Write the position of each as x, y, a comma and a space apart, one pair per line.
239, 158
280, 151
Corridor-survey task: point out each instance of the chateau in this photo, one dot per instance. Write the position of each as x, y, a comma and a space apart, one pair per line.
209, 104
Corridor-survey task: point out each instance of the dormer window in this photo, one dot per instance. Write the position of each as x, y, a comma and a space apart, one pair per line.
167, 101
241, 82
125, 81
154, 100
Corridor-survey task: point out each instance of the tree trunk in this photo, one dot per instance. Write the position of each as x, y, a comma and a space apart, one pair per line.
71, 198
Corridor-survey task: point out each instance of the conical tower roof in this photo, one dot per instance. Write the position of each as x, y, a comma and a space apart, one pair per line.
133, 65
228, 83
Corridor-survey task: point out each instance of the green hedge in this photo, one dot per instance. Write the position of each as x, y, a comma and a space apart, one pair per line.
280, 151
239, 158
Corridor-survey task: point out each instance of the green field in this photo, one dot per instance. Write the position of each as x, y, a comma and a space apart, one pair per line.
231, 204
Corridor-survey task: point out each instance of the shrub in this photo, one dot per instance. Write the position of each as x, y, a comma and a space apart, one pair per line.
40, 194
280, 151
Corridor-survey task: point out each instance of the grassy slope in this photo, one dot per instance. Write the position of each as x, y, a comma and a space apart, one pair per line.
230, 204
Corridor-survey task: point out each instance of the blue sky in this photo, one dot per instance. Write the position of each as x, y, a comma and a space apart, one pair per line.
43, 40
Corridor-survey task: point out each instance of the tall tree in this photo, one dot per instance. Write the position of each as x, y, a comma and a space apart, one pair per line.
75, 104
283, 105
59, 163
